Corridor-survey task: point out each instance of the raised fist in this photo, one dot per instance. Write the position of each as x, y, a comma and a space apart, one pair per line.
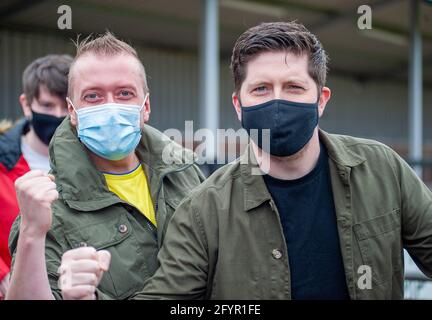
81, 271
36, 191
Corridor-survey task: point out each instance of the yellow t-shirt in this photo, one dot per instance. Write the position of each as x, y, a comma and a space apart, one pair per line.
132, 187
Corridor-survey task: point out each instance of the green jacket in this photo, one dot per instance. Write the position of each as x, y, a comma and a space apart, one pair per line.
225, 240
88, 214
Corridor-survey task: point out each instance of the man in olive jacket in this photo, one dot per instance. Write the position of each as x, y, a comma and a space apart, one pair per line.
330, 218
302, 215
110, 187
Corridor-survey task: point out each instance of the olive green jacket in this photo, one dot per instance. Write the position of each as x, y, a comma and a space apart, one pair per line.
225, 240
88, 214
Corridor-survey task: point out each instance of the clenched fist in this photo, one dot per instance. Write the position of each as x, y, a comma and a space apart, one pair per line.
36, 191
81, 271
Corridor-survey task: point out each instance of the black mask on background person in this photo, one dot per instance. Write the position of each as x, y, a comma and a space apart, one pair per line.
45, 125
291, 125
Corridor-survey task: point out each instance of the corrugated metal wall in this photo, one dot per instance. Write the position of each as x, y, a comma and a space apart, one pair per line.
374, 110
173, 82
173, 78
17, 50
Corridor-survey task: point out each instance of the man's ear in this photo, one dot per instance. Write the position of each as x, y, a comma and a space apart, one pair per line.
237, 104
72, 113
146, 110
324, 98
25, 105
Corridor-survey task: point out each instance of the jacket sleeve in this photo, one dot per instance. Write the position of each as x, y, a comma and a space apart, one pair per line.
55, 246
4, 269
8, 213
53, 253
416, 215
183, 259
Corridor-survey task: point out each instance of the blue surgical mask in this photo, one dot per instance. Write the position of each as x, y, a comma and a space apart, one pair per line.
111, 130
291, 125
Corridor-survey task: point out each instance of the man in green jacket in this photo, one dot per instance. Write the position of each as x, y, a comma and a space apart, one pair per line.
327, 218
302, 215
109, 188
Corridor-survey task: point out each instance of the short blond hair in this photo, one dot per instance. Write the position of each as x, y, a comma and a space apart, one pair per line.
105, 45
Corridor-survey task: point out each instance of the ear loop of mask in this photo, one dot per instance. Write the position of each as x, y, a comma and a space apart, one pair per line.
70, 101
145, 99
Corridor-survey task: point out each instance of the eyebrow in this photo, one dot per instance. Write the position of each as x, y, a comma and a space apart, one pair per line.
47, 102
117, 87
127, 87
288, 80
90, 89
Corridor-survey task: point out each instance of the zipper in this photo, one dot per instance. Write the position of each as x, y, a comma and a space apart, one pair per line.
149, 224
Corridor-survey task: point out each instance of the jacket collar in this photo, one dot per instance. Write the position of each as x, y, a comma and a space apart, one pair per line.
84, 188
255, 190
10, 144
338, 150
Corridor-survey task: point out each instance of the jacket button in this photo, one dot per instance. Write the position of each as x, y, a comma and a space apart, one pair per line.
122, 228
277, 254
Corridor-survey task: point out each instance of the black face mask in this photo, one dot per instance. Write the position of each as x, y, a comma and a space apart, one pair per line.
291, 125
45, 125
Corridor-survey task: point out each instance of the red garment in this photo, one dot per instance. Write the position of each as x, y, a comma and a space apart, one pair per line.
12, 166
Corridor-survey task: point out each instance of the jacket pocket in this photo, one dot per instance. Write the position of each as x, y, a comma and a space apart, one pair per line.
115, 235
239, 281
380, 244
100, 235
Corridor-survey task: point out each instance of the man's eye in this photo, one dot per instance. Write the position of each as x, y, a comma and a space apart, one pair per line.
293, 86
91, 96
260, 89
125, 93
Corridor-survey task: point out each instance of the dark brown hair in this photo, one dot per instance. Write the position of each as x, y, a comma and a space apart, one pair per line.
50, 71
279, 36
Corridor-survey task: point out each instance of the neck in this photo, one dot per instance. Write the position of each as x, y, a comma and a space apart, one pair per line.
292, 167
35, 143
120, 166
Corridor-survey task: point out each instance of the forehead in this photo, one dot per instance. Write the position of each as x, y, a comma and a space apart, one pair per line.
45, 94
48, 98
277, 64
104, 71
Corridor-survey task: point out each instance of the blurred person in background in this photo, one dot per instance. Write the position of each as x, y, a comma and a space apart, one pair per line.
24, 146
